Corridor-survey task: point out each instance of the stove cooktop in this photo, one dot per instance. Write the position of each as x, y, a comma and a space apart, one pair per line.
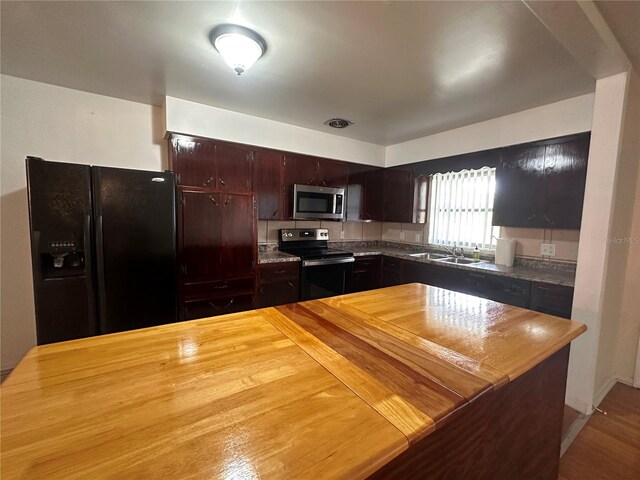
314, 253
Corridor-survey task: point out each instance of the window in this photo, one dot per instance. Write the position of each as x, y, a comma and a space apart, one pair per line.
461, 208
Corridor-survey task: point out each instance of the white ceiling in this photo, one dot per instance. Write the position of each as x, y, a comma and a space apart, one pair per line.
399, 70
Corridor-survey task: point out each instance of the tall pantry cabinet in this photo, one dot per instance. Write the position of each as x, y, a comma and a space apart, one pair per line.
217, 223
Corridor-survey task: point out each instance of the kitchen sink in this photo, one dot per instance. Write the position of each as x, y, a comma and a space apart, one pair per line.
430, 256
460, 261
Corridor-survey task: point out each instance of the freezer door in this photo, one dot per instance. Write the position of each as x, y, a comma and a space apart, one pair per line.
135, 239
61, 249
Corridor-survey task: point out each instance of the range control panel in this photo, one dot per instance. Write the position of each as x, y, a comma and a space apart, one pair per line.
302, 234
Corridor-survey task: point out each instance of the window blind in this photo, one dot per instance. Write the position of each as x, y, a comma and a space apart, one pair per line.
461, 208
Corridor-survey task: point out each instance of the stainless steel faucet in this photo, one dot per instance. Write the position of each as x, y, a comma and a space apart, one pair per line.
455, 251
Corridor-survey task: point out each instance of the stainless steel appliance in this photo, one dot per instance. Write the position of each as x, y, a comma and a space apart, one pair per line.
324, 272
103, 243
321, 203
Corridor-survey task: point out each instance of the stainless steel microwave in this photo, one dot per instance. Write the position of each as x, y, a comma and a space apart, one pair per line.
318, 203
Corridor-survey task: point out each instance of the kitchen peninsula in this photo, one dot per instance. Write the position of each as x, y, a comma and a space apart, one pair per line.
384, 383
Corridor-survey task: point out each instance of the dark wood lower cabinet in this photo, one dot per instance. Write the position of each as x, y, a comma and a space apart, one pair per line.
279, 284
552, 299
366, 273
193, 309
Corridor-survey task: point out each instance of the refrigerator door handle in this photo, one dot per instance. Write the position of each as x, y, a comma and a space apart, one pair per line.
88, 266
102, 294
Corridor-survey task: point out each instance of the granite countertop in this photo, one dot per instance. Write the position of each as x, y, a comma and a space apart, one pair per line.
556, 277
538, 273
276, 256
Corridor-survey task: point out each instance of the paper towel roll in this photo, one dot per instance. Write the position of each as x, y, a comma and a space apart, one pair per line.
510, 253
502, 247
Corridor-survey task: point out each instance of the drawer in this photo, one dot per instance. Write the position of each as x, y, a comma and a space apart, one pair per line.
217, 306
552, 299
275, 272
194, 291
366, 264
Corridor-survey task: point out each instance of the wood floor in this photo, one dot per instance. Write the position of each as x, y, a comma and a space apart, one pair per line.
608, 447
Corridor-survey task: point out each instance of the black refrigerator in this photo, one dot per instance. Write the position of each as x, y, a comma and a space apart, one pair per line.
103, 246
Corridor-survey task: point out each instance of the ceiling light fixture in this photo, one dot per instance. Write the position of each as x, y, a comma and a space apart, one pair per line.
239, 46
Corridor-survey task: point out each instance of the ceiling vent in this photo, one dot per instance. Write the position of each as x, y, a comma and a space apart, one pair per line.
338, 123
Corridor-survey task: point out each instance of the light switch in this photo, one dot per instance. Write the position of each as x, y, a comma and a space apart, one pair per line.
548, 250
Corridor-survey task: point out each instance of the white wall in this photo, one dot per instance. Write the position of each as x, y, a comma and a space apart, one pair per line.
183, 116
57, 124
621, 308
593, 253
548, 121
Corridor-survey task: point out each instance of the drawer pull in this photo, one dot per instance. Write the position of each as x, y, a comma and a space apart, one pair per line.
224, 306
222, 183
208, 181
279, 271
291, 284
213, 200
220, 287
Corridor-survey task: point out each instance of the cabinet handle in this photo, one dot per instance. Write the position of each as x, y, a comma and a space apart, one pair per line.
224, 306
220, 287
279, 271
222, 183
548, 220
208, 181
227, 202
213, 200
274, 213
290, 284
247, 184
532, 217
324, 182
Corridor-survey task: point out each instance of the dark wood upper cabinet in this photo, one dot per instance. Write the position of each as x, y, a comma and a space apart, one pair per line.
333, 173
399, 195
565, 176
365, 195
234, 168
542, 185
301, 170
268, 183
519, 200
192, 161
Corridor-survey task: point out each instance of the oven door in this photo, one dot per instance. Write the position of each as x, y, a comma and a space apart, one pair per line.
325, 277
311, 202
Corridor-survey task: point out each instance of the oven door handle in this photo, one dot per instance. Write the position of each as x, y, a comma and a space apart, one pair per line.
327, 261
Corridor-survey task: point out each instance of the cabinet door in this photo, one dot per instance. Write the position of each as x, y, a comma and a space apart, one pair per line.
519, 196
333, 173
374, 191
199, 239
565, 175
399, 197
298, 169
279, 293
192, 160
355, 197
268, 184
366, 274
234, 168
552, 299
238, 235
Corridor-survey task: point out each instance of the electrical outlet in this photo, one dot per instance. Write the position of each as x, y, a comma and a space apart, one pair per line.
548, 250
341, 234
401, 235
418, 237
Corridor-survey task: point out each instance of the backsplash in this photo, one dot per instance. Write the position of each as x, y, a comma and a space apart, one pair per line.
268, 230
529, 239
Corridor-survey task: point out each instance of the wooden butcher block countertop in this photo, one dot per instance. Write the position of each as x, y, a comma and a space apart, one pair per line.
331, 388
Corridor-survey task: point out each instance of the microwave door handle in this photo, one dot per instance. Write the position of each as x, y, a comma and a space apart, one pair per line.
335, 202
